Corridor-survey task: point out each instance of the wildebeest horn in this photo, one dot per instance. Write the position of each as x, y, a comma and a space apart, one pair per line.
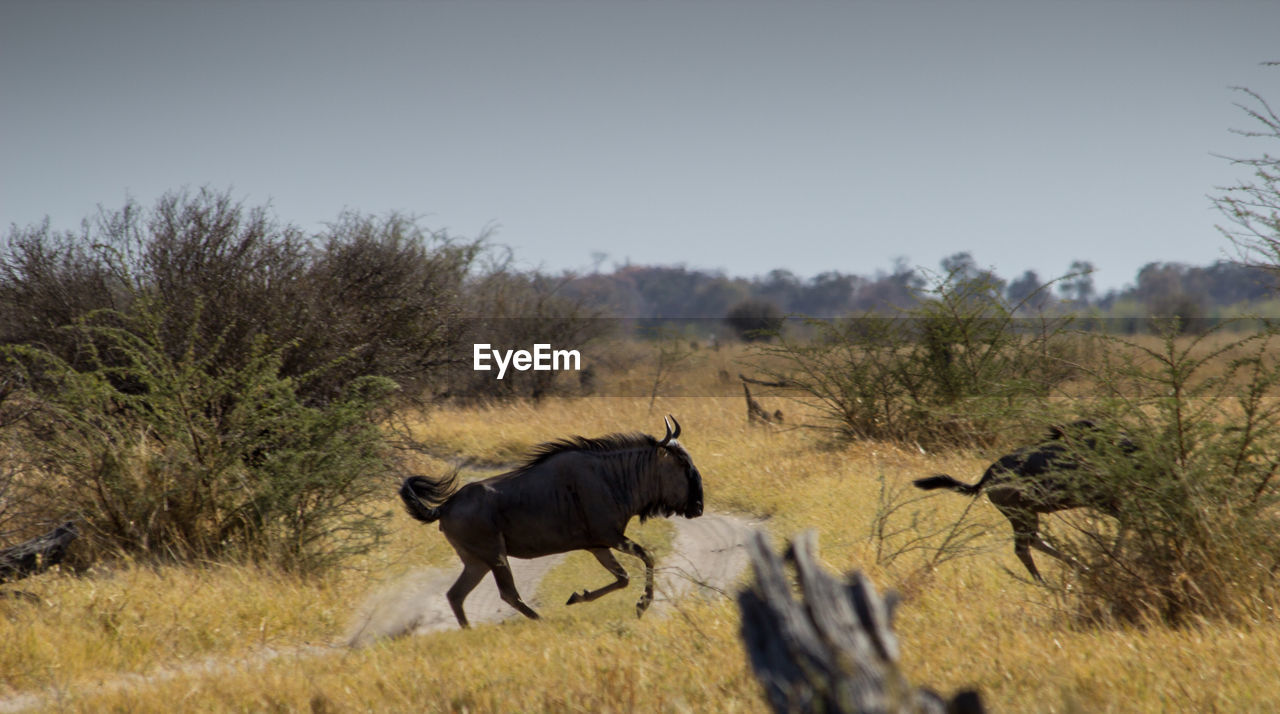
669, 420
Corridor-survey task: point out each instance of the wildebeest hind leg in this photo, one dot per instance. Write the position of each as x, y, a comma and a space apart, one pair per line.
1025, 532
1022, 548
611, 564
630, 547
1026, 535
507, 588
472, 573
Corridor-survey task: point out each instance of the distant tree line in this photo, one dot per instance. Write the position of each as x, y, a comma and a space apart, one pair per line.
652, 294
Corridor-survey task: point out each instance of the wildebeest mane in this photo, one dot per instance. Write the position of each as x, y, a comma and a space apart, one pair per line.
634, 452
600, 445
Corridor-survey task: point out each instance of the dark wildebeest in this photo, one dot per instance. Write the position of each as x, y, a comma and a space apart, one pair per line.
572, 494
1048, 477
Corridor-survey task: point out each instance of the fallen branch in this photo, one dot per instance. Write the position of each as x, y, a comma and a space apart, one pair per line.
36, 555
834, 650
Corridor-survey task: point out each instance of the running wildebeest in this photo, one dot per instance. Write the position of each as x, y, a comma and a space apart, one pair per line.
572, 494
1044, 478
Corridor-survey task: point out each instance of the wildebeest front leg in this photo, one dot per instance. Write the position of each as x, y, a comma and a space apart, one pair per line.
630, 547
613, 566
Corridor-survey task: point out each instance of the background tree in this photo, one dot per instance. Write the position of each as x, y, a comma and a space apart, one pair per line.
198, 380
754, 320
1077, 286
1028, 292
963, 271
1252, 206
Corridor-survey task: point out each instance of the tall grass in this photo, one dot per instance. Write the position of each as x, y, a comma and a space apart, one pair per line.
971, 623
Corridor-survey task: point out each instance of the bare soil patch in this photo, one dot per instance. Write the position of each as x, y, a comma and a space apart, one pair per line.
708, 554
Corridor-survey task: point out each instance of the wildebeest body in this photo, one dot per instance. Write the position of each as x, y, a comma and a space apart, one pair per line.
536, 521
576, 494
1045, 478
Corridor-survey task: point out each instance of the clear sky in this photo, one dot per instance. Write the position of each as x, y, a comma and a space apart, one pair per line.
741, 136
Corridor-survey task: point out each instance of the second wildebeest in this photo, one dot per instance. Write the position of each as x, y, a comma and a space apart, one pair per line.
572, 494
1054, 475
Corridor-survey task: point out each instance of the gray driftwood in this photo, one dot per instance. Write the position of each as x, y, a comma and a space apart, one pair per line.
38, 554
832, 650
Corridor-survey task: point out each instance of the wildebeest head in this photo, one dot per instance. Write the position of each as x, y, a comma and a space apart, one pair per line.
673, 456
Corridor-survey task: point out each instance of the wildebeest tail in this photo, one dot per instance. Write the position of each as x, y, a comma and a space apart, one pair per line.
944, 481
423, 496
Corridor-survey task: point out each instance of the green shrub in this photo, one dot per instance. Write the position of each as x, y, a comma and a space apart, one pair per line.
955, 369
179, 456
1197, 504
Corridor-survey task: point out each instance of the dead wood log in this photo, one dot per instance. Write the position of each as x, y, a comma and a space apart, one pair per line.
834, 649
38, 554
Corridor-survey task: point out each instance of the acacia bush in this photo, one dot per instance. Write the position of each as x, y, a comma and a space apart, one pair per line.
1197, 504
365, 296
196, 461
199, 380
383, 296
955, 369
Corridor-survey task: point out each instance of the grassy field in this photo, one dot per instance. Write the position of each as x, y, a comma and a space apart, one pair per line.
142, 638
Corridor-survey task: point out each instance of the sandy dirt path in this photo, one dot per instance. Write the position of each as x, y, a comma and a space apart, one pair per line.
416, 603
708, 556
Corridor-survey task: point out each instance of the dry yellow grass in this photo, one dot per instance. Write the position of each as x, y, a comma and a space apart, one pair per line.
225, 638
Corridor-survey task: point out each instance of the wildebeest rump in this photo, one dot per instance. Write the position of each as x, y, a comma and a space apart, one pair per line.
1044, 478
572, 494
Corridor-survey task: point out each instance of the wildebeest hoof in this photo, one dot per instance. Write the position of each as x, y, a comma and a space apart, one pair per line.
576, 598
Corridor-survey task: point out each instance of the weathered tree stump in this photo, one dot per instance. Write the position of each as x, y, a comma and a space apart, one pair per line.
38, 554
834, 649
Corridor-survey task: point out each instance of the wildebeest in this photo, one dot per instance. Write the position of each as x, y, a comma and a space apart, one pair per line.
1050, 476
572, 494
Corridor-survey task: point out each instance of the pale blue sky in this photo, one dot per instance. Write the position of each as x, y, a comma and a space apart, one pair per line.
741, 136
